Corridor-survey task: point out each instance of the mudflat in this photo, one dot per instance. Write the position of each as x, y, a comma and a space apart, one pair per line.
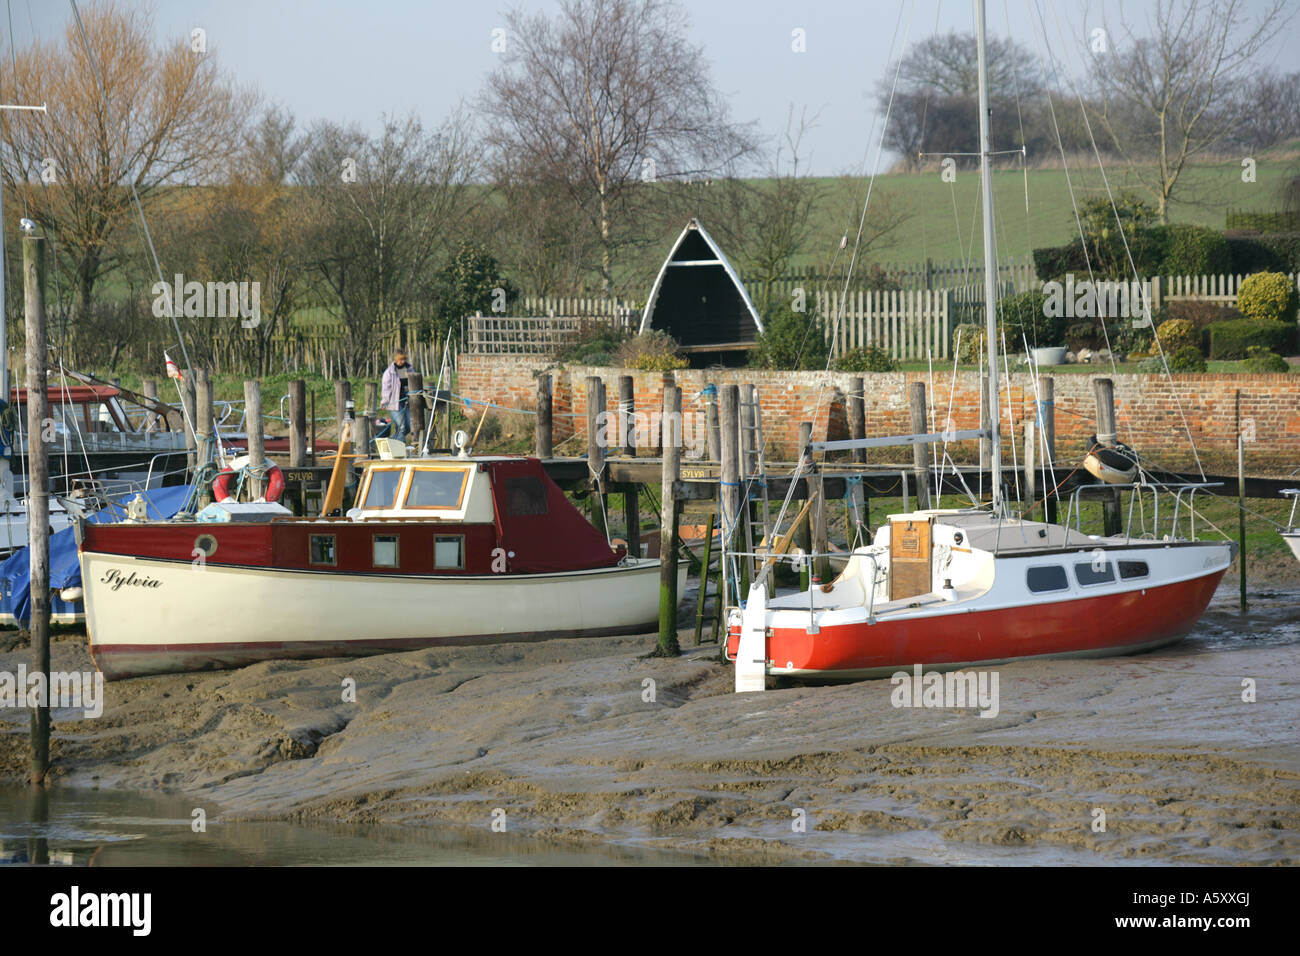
1155, 758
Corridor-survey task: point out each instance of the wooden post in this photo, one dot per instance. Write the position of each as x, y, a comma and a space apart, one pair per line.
1031, 484
203, 424
1047, 388
1104, 389
672, 460
38, 490
729, 490
298, 423
189, 415
711, 434
256, 447
857, 416
986, 448
817, 515
626, 413
702, 595
596, 440
149, 388
415, 402
632, 518
364, 421
543, 435
1241, 505
920, 456
312, 446
803, 533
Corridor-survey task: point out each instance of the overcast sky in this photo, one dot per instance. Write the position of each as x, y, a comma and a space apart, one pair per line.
352, 60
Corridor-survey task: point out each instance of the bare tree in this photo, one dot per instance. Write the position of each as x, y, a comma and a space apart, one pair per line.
1163, 99
379, 213
272, 148
172, 117
602, 98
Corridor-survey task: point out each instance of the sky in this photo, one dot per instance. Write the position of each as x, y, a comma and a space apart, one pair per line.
355, 60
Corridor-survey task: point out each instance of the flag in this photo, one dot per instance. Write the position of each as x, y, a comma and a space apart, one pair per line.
173, 371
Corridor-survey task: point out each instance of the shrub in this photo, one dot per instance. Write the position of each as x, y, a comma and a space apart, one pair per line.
1268, 296
655, 351
1195, 251
594, 343
1083, 335
1053, 262
1025, 312
790, 340
1230, 340
1262, 362
971, 344
1175, 334
1186, 358
869, 359
1279, 252
1200, 313
1133, 341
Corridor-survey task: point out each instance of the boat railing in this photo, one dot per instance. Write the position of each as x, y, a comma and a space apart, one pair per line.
795, 560
1184, 495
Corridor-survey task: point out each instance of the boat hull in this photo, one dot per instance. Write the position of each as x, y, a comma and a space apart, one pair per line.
170, 616
1292, 538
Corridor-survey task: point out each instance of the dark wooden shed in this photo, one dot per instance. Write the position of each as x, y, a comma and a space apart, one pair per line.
699, 300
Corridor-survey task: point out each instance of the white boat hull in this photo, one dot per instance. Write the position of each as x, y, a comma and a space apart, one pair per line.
172, 616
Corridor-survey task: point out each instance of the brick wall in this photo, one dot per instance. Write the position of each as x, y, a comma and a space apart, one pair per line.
1147, 408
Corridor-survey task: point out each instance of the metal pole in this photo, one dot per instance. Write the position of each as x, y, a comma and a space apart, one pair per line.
990, 266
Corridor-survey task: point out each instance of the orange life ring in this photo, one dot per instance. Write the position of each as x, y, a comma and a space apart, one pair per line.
274, 480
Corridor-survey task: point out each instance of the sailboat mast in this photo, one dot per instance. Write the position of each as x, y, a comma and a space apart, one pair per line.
990, 265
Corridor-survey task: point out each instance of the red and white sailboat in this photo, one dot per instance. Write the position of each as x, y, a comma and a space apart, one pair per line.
439, 551
956, 588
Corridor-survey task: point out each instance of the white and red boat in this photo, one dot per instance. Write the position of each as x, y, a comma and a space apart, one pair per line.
1291, 534
949, 589
439, 551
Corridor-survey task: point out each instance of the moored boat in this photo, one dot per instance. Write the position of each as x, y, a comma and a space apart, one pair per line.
438, 551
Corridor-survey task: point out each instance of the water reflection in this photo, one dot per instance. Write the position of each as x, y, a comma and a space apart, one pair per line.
114, 828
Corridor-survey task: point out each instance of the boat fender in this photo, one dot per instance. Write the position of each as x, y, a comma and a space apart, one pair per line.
274, 480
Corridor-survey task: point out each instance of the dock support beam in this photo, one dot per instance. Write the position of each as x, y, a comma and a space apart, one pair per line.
1110, 504
729, 494
857, 417
256, 446
38, 495
597, 438
672, 460
920, 454
297, 423
543, 435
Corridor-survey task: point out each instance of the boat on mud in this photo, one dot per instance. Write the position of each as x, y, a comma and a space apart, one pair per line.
446, 550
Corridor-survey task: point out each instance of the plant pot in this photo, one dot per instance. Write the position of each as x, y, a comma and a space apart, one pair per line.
1050, 356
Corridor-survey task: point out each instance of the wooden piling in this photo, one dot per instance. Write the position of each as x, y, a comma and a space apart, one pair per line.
189, 415
1241, 505
312, 409
149, 389
1104, 390
297, 423
729, 492
712, 436
597, 438
203, 424
803, 532
920, 453
415, 402
817, 515
1031, 482
1047, 389
543, 435
672, 459
38, 501
256, 446
626, 413
857, 416
362, 430
632, 519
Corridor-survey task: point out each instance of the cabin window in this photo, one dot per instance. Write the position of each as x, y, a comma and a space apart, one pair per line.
384, 551
1047, 577
432, 488
322, 549
1133, 569
449, 551
525, 496
1089, 573
381, 492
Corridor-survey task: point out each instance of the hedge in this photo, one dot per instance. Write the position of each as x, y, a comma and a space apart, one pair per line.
1276, 253
1230, 340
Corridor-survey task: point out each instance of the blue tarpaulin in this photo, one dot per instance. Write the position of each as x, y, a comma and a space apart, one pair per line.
65, 568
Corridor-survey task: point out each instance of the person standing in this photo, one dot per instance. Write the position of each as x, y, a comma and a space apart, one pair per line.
395, 393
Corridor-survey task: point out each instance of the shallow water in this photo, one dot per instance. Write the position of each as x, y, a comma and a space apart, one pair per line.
120, 828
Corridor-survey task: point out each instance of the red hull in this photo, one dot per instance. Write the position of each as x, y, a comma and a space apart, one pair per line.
1095, 626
